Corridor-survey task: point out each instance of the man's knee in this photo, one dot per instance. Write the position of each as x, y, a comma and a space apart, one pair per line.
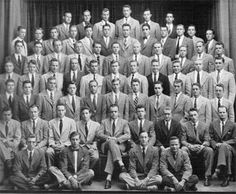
90, 173
208, 151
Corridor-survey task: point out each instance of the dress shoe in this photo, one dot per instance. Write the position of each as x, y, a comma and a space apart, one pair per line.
169, 189
127, 187
107, 184
225, 182
207, 182
35, 187
123, 169
152, 188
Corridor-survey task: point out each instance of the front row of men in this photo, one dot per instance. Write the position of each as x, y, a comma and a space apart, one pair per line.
74, 147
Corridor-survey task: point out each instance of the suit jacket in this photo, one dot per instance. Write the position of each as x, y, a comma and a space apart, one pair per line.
147, 166
83, 59
81, 31
228, 136
107, 84
98, 31
21, 108
142, 99
147, 49
100, 63
206, 82
207, 61
44, 79
229, 65
4, 77
184, 78
62, 62
36, 88
99, 113
163, 134
39, 66
227, 79
189, 44
181, 108
47, 107
158, 112
187, 66
106, 49
173, 33
180, 168
135, 28
225, 102
18, 68
48, 47
41, 131
67, 164
155, 30
123, 103
135, 130
54, 133
21, 166
63, 32
164, 79
68, 47
126, 51
14, 133
143, 82
169, 48
87, 49
75, 115
211, 50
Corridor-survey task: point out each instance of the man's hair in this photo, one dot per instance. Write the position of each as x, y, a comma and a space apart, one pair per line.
6, 109
114, 61
26, 82
71, 83
106, 25
32, 61
38, 42
220, 44
147, 25
18, 41
135, 80
115, 43
93, 80
113, 105
220, 58
39, 28
56, 40
222, 106
140, 106
9, 81
66, 11
192, 25
92, 62
105, 9
50, 78
175, 61
193, 110
88, 26
134, 61
167, 108
115, 80
53, 28
126, 6
196, 84
34, 106
178, 81
158, 82
174, 138
154, 60
220, 85
60, 104
73, 134
53, 60
31, 136
210, 29
85, 108
96, 42
124, 25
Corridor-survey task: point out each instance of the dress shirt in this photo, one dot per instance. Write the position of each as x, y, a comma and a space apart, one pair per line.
70, 98
146, 39
17, 55
195, 75
63, 120
7, 75
221, 127
28, 152
25, 97
178, 95
30, 76
138, 56
126, 20
113, 76
73, 41
210, 44
8, 95
145, 149
114, 96
92, 96
169, 123
170, 27
199, 55
163, 40
35, 121
115, 57
49, 93
72, 74
157, 76
135, 95
181, 38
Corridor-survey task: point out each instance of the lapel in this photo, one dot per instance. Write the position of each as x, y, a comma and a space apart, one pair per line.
77, 103
171, 159
149, 152
136, 128
82, 128
226, 128
25, 157
38, 125
99, 100
67, 100
49, 45
139, 155
110, 97
180, 99
87, 46
117, 127
217, 128
203, 78
200, 102
56, 124
2, 131
45, 94
71, 157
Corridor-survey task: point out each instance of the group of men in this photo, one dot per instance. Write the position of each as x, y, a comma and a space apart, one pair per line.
145, 91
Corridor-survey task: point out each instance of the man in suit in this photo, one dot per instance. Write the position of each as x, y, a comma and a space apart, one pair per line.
88, 130
21, 108
47, 100
86, 22
29, 169
223, 133
48, 44
53, 72
202, 104
57, 54
69, 43
176, 169
38, 37
21, 33
183, 40
142, 60
35, 126
192, 34
139, 124
158, 102
224, 77
203, 78
164, 61
186, 65
134, 24
63, 29
17, 58
195, 140
72, 102
220, 52
178, 75
165, 128
115, 56
170, 26
156, 75
126, 41
207, 59
155, 31
32, 76
87, 41
95, 102
211, 42
143, 168
38, 57
118, 98
146, 40
98, 28
218, 101
180, 103
107, 85
60, 129
93, 75
114, 133
168, 43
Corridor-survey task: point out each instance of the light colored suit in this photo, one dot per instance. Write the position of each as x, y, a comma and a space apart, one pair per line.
126, 50
155, 30
87, 48
186, 87
147, 49
100, 62
19, 68
98, 32
207, 61
211, 50
229, 65
39, 66
143, 82
48, 46
166, 64
83, 59
44, 79
227, 79
68, 47
4, 77
63, 32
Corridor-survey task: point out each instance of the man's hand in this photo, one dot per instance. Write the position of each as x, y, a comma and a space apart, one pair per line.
180, 185
144, 182
205, 144
32, 181
137, 182
74, 183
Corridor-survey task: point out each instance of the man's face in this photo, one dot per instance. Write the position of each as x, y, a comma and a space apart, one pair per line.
54, 66
126, 31
180, 30
97, 48
143, 139
158, 89
198, 65
9, 67
167, 115
52, 85
94, 68
116, 86
74, 64
176, 67
219, 64
222, 113
114, 112
115, 68
27, 88
133, 67
135, 87
157, 48
38, 48
106, 31
67, 18
54, 34
10, 87
72, 89
141, 113
22, 33
31, 143
78, 47
73, 32
116, 48
209, 35
193, 116
89, 32
86, 115
169, 18
191, 31
75, 141
147, 16
7, 115
219, 92
126, 12
146, 31
137, 48
200, 47
155, 67
38, 35
87, 16
219, 49
174, 146
34, 113
196, 91
19, 48
57, 46
183, 52
177, 88
105, 15
32, 68
164, 32
61, 111
93, 87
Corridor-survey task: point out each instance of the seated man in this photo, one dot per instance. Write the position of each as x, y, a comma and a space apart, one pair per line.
113, 133
142, 175
223, 134
74, 172
176, 168
29, 169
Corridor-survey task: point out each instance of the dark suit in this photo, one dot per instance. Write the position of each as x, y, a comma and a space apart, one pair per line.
18, 67
169, 48
106, 49
189, 44
173, 33
81, 31
146, 49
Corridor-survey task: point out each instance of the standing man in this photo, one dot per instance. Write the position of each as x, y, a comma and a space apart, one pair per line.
186, 65
192, 34
86, 22
87, 40
211, 42
38, 37
170, 26
64, 28
21, 33
48, 44
69, 43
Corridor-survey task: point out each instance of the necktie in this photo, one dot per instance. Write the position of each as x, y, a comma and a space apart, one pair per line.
198, 77
60, 125
80, 64
219, 103
181, 62
169, 30
218, 76
199, 56
74, 78
94, 76
27, 100
94, 102
54, 75
157, 102
6, 128
222, 127
34, 126
86, 130
195, 130
143, 152
91, 42
176, 95
98, 59
155, 77
116, 57
136, 100
207, 44
51, 96
73, 103
19, 60
176, 76
125, 42
132, 78
38, 62
177, 46
195, 103
126, 20
167, 125
10, 100
9, 76
30, 158
135, 57
116, 99
113, 127
32, 80
162, 42
141, 126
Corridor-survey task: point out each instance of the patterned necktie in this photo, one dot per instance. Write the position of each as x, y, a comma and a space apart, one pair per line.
136, 100
98, 59
195, 103
113, 127
80, 64
60, 126
51, 96
132, 78
73, 103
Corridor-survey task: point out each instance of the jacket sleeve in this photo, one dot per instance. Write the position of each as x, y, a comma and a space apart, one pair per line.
212, 136
155, 163
126, 133
132, 164
187, 167
17, 167
63, 163
164, 166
